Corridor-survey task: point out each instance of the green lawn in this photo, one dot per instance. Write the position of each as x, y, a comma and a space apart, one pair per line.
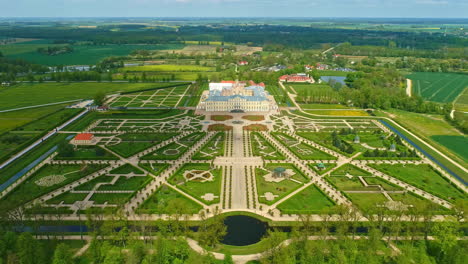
33, 187
309, 201
87, 186
174, 150
367, 201
302, 150
111, 198
130, 184
458, 144
168, 201
43, 93
126, 169
88, 153
328, 167
15, 119
133, 143
263, 148
197, 188
67, 198
424, 177
154, 168
15, 140
213, 148
350, 169
425, 127
280, 189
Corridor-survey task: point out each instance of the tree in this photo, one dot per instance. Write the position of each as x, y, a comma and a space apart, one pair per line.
446, 233
26, 247
228, 259
99, 98
65, 149
62, 254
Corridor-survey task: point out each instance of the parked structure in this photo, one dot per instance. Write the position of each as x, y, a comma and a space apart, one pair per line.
236, 96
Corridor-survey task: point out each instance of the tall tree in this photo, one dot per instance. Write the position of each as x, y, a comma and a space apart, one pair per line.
62, 254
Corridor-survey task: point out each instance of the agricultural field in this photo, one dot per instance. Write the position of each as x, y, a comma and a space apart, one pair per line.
81, 55
461, 103
39, 93
457, 144
168, 68
438, 87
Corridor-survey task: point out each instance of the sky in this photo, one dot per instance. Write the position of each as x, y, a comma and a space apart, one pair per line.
235, 8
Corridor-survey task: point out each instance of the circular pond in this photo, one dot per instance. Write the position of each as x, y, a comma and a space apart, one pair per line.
243, 230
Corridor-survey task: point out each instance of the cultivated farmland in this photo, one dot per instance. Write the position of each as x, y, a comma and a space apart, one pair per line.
81, 55
438, 87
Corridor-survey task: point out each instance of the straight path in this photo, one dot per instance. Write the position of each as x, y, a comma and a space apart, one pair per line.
238, 184
42, 139
41, 105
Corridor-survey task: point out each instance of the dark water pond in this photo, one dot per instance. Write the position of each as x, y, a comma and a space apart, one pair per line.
243, 230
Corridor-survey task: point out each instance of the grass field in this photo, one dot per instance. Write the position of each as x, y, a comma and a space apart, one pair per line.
196, 188
168, 68
168, 97
428, 126
461, 103
81, 55
424, 177
168, 201
458, 144
43, 93
438, 87
33, 187
338, 112
14, 119
309, 201
132, 143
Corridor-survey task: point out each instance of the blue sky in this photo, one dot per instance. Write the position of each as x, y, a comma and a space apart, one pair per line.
234, 8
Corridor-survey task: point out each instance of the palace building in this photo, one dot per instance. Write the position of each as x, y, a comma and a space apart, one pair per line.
235, 96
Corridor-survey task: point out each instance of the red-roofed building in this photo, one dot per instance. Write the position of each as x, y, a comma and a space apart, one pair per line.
233, 82
252, 83
297, 78
84, 139
242, 63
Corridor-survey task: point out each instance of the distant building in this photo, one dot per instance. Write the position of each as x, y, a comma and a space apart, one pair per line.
297, 78
235, 96
308, 67
321, 166
243, 63
84, 139
322, 67
279, 172
6, 84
